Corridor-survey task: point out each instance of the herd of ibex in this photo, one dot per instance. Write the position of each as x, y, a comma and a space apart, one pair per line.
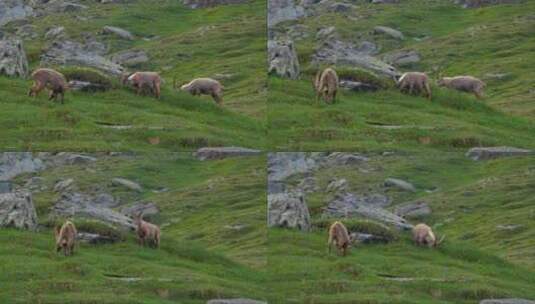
57, 84
147, 235
422, 235
326, 84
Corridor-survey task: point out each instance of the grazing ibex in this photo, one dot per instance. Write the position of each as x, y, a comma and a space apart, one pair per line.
141, 80
415, 82
65, 238
464, 83
339, 236
204, 86
50, 79
422, 235
147, 233
326, 85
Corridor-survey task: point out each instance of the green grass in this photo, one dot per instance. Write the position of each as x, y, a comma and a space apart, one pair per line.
468, 200
200, 256
183, 44
452, 41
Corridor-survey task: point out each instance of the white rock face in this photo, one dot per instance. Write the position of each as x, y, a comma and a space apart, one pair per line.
17, 210
13, 61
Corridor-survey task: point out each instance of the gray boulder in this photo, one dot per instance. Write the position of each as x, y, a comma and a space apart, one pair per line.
282, 59
17, 210
15, 163
6, 187
119, 32
485, 153
11, 10
130, 57
55, 33
146, 209
282, 165
389, 32
95, 239
337, 185
507, 301
400, 184
64, 185
61, 6
13, 61
127, 184
211, 153
345, 159
357, 86
288, 210
73, 53
283, 10
403, 58
340, 53
480, 3
412, 210
86, 86
358, 206
74, 204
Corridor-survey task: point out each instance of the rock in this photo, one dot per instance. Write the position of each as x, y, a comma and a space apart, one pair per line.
235, 301
389, 32
340, 7
64, 185
282, 165
325, 33
210, 153
384, 1
146, 209
366, 238
82, 205
5, 187
79, 159
340, 53
403, 58
283, 10
344, 159
95, 239
351, 205
307, 185
55, 32
26, 31
73, 53
126, 183
130, 57
119, 32
282, 59
485, 153
13, 61
105, 200
35, 183
15, 163
506, 301
275, 187
11, 10
288, 210
85, 86
337, 185
413, 210
61, 6
400, 184
357, 86
497, 76
367, 47
194, 4
509, 227
17, 210
480, 3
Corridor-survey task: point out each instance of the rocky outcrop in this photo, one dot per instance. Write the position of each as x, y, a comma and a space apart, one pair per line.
288, 210
17, 210
13, 61
403, 58
73, 53
74, 204
485, 153
11, 10
119, 32
123, 182
95, 239
86, 86
359, 206
282, 59
413, 210
284, 164
385, 30
55, 33
15, 163
340, 53
357, 86
146, 209
130, 57
283, 10
211, 153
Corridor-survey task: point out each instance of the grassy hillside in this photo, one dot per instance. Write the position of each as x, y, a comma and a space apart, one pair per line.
469, 200
201, 257
182, 44
452, 41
